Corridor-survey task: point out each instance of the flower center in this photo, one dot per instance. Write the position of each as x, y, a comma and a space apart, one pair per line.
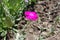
31, 14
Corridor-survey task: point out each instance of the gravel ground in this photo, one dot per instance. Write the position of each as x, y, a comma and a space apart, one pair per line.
47, 27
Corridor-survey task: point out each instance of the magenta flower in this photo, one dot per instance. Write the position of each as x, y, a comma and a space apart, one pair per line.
31, 15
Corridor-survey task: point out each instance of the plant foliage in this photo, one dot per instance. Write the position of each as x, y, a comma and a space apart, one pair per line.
9, 11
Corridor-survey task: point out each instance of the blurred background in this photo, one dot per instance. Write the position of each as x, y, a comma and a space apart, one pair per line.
14, 26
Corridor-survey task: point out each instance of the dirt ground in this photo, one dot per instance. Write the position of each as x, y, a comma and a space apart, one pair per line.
47, 27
